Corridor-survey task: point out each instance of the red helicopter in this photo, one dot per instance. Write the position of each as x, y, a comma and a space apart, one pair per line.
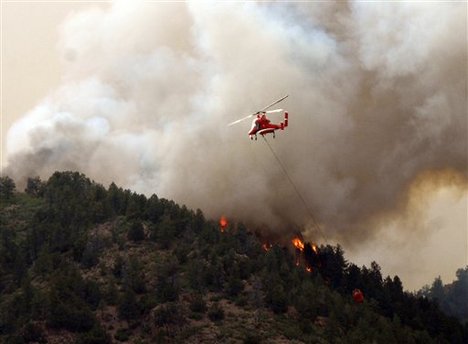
261, 124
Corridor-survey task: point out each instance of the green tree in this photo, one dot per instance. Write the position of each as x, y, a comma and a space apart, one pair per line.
198, 304
97, 335
33, 333
111, 294
168, 314
136, 206
101, 209
307, 299
165, 233
437, 289
333, 265
167, 289
136, 232
90, 256
117, 199
196, 274
277, 299
34, 187
128, 306
233, 285
216, 312
92, 293
133, 275
214, 275
67, 308
154, 209
458, 296
7, 187
198, 221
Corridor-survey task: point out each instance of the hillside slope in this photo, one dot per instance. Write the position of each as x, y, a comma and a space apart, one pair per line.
85, 264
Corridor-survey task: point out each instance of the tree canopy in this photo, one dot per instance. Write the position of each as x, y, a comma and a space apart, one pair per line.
106, 263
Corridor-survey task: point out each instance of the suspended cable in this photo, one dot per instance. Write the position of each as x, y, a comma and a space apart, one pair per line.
311, 215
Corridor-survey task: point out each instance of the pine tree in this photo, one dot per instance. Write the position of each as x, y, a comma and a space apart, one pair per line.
7, 188
136, 232
34, 187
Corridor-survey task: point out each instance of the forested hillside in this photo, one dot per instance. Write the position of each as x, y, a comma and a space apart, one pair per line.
82, 263
453, 297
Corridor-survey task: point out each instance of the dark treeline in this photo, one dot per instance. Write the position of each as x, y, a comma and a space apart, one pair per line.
453, 297
71, 251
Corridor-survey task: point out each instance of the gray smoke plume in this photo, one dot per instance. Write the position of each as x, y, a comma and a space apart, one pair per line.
377, 100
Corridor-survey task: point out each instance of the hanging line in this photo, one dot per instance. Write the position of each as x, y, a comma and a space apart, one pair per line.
314, 221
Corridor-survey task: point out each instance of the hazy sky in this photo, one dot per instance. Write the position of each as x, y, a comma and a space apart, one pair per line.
378, 99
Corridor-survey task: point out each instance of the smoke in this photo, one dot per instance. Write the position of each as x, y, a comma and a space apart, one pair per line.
377, 101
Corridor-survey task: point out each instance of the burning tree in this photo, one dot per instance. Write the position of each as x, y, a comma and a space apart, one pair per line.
298, 243
266, 246
311, 256
223, 223
306, 252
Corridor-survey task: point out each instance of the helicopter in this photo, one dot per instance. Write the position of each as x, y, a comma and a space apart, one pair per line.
261, 124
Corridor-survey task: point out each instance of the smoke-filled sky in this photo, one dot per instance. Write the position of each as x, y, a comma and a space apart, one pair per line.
142, 93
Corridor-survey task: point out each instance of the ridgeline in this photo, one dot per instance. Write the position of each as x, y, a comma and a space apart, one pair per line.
80, 263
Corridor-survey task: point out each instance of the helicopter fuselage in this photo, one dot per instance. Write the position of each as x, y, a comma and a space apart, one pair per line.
262, 125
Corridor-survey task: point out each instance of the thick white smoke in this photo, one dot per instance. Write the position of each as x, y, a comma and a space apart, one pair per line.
377, 99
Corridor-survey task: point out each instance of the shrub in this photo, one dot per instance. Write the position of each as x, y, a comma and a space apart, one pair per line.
216, 312
198, 304
168, 314
136, 232
97, 335
33, 332
122, 334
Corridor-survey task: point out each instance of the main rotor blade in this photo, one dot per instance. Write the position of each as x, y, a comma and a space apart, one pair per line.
262, 110
276, 102
273, 111
240, 120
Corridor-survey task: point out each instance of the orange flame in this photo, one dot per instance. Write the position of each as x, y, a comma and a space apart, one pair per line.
266, 246
298, 243
223, 223
308, 269
314, 247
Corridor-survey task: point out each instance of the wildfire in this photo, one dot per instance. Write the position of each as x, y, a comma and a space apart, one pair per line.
266, 246
314, 247
298, 243
223, 223
308, 269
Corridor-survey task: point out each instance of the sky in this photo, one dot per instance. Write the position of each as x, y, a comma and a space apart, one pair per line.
141, 93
